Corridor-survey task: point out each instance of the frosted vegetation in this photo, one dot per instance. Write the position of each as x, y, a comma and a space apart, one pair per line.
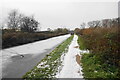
48, 67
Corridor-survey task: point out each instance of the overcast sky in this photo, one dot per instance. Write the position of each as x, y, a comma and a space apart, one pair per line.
62, 13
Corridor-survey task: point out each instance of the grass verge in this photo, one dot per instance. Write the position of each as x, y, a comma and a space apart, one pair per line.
81, 43
48, 66
94, 68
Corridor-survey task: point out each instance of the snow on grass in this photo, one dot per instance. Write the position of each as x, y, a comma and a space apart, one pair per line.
42, 65
48, 66
60, 66
84, 51
31, 48
71, 69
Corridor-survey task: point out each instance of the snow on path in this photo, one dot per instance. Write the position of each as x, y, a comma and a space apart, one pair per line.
34, 48
71, 69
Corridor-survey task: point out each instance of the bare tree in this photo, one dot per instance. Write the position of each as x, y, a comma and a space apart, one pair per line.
115, 22
94, 23
105, 23
48, 29
29, 24
13, 19
83, 25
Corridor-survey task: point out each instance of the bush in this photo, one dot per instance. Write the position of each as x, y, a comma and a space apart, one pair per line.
94, 68
103, 43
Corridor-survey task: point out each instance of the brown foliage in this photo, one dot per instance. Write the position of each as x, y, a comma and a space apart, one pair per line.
103, 41
78, 59
10, 38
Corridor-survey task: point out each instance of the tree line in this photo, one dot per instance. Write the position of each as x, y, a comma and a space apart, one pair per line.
23, 29
105, 23
20, 22
101, 23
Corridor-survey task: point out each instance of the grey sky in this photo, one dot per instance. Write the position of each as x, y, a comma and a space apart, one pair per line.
63, 13
119, 9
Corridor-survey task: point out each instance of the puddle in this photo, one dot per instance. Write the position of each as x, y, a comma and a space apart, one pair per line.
21, 57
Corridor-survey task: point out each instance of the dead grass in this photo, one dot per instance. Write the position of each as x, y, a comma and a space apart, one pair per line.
76, 47
78, 59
